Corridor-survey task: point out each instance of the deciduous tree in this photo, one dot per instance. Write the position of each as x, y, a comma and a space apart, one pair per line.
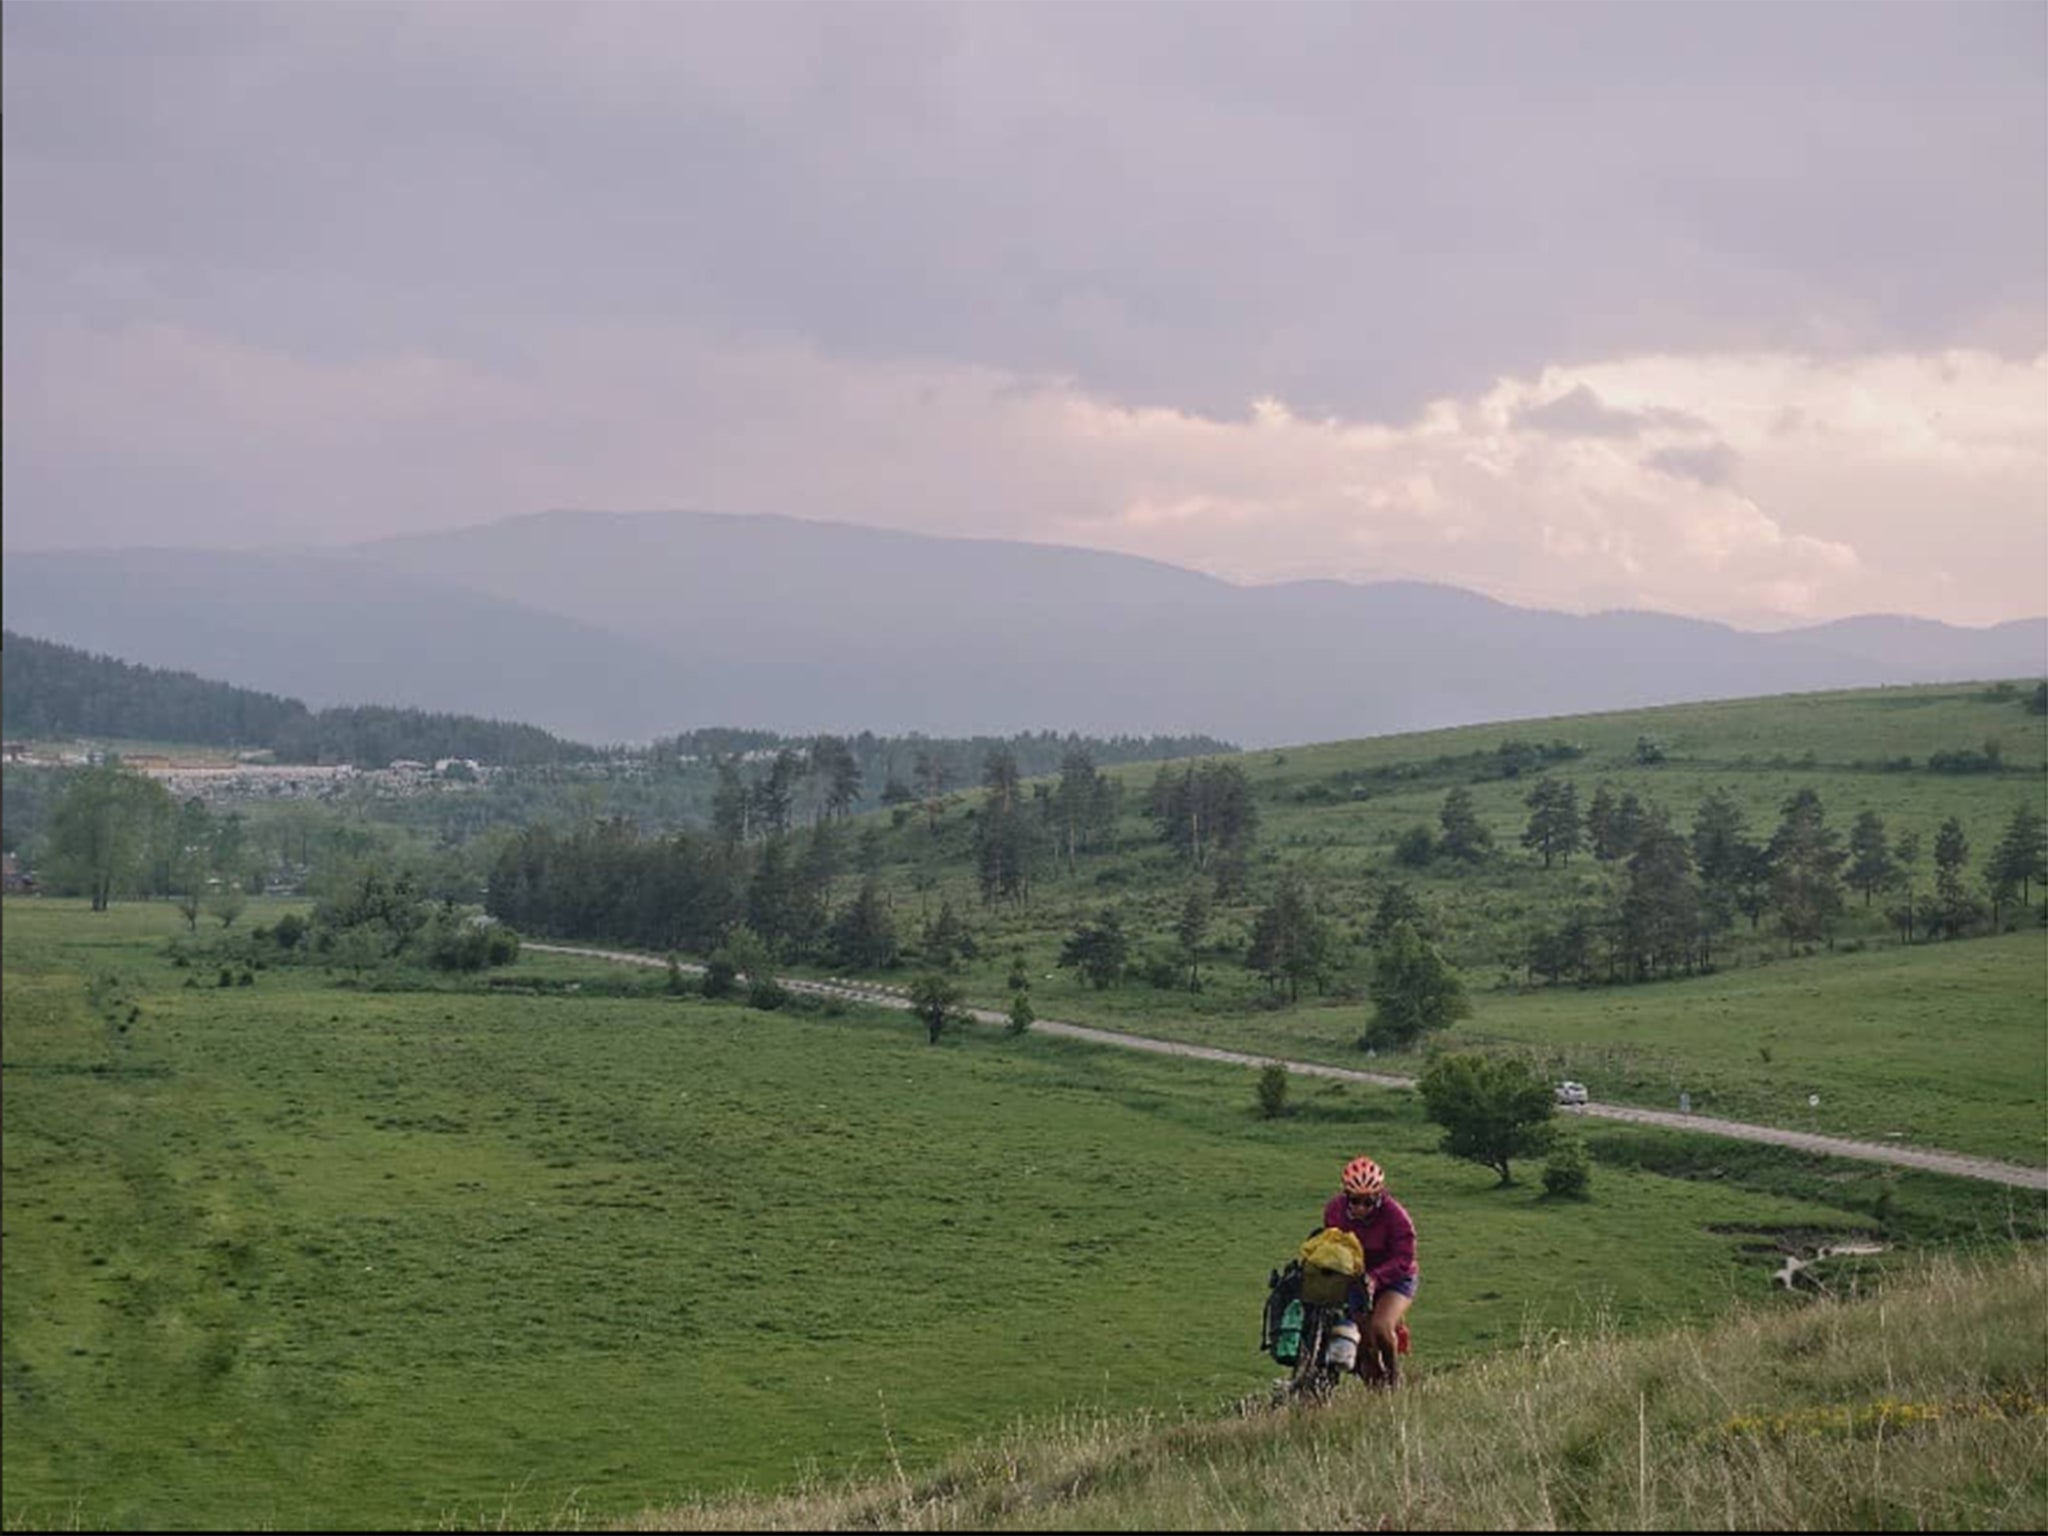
1493, 1110
102, 830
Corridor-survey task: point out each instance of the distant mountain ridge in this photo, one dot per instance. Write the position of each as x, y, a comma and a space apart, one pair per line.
621, 627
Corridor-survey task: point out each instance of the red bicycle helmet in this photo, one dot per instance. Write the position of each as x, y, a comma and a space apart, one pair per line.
1362, 1176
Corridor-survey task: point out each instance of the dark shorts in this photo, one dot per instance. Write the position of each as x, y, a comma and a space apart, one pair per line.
1405, 1286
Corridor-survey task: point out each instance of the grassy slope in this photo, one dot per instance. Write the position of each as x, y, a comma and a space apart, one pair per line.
1924, 1408
1869, 1031
291, 1255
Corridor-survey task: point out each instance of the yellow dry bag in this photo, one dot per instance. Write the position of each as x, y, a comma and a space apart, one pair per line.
1330, 1261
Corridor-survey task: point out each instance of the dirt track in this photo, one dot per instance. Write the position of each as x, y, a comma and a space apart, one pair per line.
1833, 1146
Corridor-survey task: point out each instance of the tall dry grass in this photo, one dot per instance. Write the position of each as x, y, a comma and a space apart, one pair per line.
1923, 1407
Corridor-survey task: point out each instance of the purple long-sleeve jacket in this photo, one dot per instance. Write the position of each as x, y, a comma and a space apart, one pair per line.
1387, 1236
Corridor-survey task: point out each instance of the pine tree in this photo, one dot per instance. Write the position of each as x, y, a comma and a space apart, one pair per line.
1413, 991
864, 936
1290, 940
1464, 837
1098, 950
1871, 866
2021, 858
1192, 929
1554, 828
1806, 865
1661, 908
1955, 909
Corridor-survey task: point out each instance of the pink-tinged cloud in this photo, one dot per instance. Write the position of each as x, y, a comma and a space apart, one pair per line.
1819, 488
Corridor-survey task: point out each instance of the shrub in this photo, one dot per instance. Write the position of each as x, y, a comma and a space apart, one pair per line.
1416, 848
1568, 1173
719, 975
1163, 972
1273, 1090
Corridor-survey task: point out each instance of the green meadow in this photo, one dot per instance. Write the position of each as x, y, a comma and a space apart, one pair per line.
299, 1255
1937, 1045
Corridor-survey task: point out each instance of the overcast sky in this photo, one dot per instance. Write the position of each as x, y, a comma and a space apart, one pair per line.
1735, 310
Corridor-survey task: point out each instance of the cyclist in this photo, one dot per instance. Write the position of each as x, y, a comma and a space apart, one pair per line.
1383, 1229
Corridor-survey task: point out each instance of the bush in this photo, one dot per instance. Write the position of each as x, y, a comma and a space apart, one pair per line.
1568, 1174
1021, 1015
1163, 972
1273, 1090
1416, 848
719, 975
765, 992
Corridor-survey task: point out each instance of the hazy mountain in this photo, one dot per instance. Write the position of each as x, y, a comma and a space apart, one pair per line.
618, 626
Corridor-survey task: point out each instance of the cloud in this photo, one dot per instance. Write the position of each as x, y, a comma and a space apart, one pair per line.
1356, 209
1714, 464
1581, 413
1855, 475
1728, 310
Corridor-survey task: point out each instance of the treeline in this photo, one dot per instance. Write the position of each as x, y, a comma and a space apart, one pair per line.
1675, 891
916, 762
687, 891
759, 871
372, 735
56, 690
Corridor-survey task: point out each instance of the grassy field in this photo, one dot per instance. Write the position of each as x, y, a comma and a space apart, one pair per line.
1939, 1045
1852, 1416
296, 1255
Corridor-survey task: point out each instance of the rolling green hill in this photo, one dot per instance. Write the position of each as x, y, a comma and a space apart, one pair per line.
1860, 1017
298, 1255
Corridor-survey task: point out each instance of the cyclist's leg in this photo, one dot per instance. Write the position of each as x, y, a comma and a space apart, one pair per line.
1382, 1329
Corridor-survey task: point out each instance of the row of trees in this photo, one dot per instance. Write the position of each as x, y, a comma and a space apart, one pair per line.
1294, 944
1016, 836
1675, 895
115, 832
687, 891
766, 780
373, 913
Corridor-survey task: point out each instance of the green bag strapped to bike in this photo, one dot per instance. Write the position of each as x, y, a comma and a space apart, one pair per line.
1280, 1331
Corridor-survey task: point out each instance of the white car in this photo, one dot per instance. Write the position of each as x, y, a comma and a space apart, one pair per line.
1571, 1093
